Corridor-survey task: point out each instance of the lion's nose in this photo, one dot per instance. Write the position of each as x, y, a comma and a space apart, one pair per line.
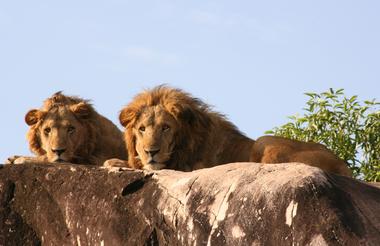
58, 151
151, 152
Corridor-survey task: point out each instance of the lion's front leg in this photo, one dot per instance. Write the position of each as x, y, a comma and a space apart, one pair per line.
115, 163
16, 159
11, 160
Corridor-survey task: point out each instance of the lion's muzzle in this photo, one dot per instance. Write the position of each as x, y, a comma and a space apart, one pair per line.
151, 153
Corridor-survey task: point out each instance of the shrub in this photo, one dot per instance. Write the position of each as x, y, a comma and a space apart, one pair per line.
347, 127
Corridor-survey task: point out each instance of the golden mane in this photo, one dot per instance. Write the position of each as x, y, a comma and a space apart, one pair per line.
196, 123
59, 99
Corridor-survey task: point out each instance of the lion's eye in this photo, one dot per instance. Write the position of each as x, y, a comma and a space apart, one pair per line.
142, 129
71, 129
165, 128
47, 130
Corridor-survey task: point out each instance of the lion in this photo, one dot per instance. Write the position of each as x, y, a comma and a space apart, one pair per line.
68, 129
168, 128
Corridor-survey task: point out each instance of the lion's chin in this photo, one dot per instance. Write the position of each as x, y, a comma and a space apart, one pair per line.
155, 166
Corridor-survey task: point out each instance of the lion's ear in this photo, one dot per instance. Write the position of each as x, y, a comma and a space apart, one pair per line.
82, 110
126, 116
33, 116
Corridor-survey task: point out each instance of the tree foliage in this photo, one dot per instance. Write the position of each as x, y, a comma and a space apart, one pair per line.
349, 128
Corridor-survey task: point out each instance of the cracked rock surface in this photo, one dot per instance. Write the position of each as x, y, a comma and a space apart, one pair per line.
233, 204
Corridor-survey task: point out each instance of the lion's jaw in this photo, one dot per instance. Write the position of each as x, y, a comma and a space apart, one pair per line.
154, 133
61, 135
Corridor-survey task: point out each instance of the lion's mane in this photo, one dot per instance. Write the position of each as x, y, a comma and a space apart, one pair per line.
199, 128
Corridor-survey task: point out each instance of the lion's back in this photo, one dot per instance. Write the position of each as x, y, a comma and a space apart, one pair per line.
273, 149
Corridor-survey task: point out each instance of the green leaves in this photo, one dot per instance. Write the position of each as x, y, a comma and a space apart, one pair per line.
349, 128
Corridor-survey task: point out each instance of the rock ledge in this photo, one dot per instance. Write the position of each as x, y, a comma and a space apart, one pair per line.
233, 204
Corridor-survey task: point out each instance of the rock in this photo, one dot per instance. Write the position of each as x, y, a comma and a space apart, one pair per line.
233, 204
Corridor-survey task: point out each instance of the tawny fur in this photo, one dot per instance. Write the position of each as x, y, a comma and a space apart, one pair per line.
99, 139
204, 138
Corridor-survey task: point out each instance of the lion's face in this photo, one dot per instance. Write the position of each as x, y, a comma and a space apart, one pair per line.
60, 132
164, 128
154, 133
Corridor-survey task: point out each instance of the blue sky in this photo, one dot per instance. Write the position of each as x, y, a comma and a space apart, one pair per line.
251, 60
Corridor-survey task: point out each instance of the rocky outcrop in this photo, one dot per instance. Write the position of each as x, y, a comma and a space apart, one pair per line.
234, 204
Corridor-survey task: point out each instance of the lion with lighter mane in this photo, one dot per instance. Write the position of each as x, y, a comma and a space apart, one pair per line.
168, 128
68, 129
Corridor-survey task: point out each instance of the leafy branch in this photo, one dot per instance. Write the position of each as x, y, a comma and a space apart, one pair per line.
347, 127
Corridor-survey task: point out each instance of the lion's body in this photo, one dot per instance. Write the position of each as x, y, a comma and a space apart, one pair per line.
221, 143
270, 149
168, 128
68, 129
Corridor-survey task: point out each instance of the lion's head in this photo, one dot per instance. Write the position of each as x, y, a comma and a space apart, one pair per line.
61, 130
163, 127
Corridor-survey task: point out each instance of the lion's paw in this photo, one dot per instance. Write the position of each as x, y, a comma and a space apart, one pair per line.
16, 159
115, 163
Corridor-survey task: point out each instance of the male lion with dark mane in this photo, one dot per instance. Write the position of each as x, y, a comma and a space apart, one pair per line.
168, 128
68, 129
